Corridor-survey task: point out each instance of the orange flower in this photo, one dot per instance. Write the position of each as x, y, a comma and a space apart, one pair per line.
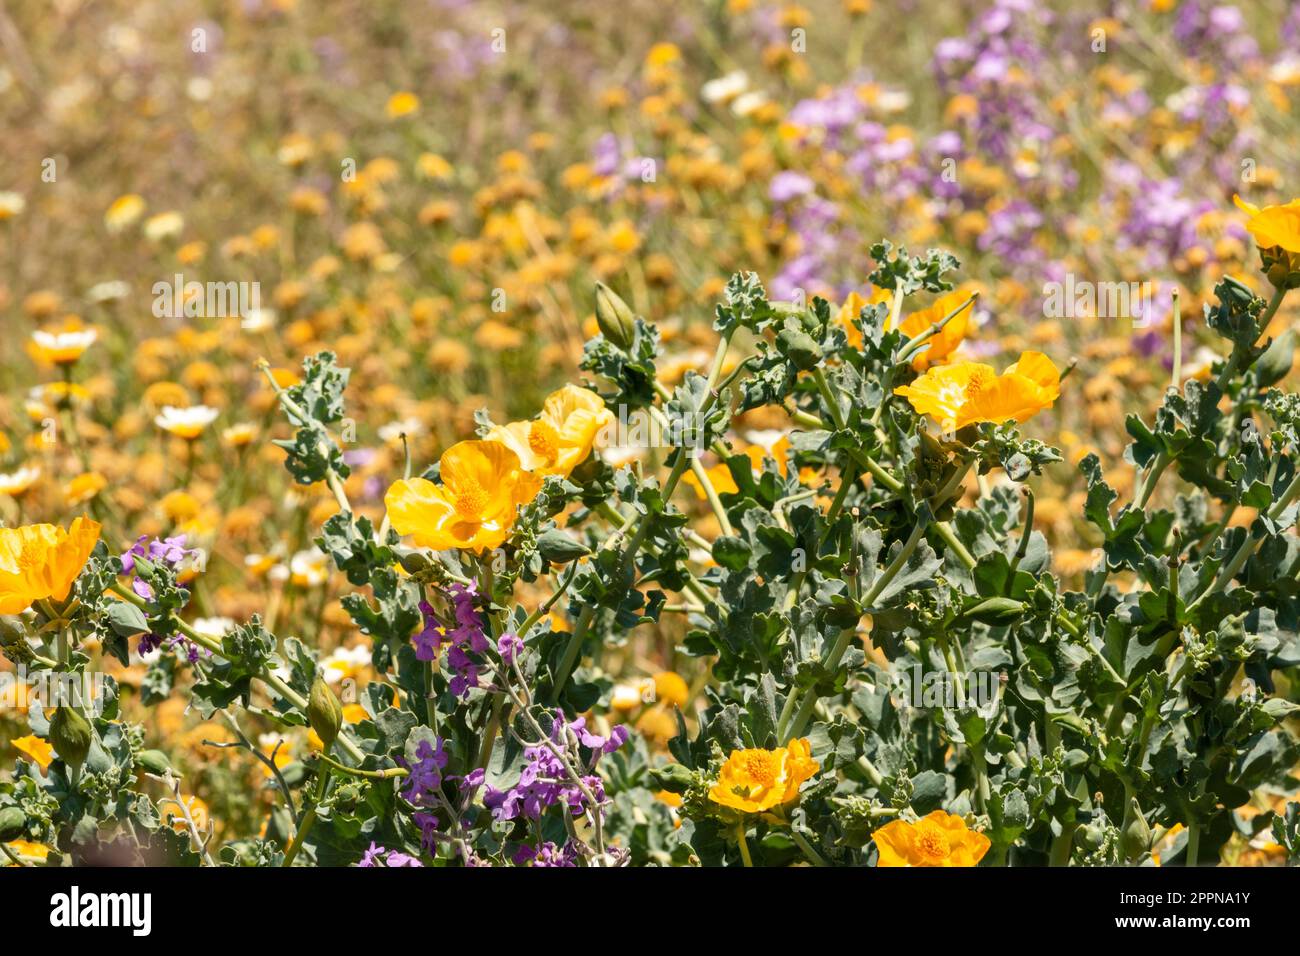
560, 439
959, 395
753, 781
719, 476
482, 485
40, 561
937, 839
944, 342
402, 103
36, 749
84, 487
1273, 226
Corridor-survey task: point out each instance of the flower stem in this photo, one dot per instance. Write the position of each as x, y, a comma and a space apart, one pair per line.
308, 818
832, 659
268, 676
744, 846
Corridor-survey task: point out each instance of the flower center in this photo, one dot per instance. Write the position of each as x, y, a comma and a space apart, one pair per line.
32, 555
470, 500
932, 842
543, 440
980, 379
760, 767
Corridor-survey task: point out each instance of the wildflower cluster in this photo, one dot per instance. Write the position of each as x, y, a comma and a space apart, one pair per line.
587, 484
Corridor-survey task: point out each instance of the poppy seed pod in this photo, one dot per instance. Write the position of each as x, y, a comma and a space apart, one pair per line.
71, 736
325, 712
613, 317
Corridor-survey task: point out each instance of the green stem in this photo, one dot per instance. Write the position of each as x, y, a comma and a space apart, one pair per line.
309, 818
802, 842
913, 345
266, 675
744, 846
832, 659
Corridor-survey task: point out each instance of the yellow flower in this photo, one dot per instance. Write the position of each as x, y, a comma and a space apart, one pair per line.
402, 104
84, 487
482, 485
756, 780
1273, 226
671, 689
937, 839
36, 749
719, 476
560, 439
944, 342
124, 211
16, 483
959, 395
41, 561
28, 850
63, 346
187, 423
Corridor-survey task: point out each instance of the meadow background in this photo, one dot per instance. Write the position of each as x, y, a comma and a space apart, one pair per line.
431, 190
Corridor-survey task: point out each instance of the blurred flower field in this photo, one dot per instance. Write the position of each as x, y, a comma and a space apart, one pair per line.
323, 324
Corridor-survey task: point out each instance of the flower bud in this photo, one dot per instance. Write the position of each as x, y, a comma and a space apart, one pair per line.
154, 761
1135, 838
71, 735
325, 712
613, 317
995, 611
672, 777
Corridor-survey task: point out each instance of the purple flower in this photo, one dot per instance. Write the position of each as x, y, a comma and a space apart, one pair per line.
166, 551
544, 781
377, 856
425, 776
548, 854
465, 639
788, 185
510, 646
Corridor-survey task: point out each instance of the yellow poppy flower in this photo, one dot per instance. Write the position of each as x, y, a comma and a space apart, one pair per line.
36, 749
937, 839
756, 780
1273, 226
560, 439
482, 485
944, 342
959, 395
28, 850
719, 476
41, 561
